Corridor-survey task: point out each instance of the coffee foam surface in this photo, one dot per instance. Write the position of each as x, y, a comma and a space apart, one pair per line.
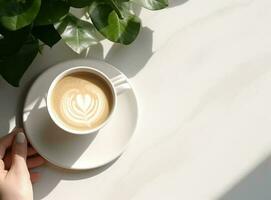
82, 101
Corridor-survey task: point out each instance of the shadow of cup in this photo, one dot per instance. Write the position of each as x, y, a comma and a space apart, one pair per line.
57, 141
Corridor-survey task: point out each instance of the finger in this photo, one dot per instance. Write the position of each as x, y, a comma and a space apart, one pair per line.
5, 143
34, 177
17, 130
30, 152
19, 153
7, 159
35, 161
2, 165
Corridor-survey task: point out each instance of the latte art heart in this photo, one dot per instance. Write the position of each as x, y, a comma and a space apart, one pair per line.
82, 109
82, 101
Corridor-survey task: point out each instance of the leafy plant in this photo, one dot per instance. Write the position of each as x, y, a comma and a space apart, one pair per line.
26, 24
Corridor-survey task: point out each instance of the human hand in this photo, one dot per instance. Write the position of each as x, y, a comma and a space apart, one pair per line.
16, 158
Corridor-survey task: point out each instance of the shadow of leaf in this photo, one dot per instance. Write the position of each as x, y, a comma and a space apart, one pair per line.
174, 3
131, 59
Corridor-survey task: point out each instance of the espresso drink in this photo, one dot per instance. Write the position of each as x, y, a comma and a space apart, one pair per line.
82, 101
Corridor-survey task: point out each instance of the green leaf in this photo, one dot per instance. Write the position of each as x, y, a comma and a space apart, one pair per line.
152, 4
51, 11
114, 22
12, 41
23, 19
78, 3
13, 67
78, 34
14, 7
47, 34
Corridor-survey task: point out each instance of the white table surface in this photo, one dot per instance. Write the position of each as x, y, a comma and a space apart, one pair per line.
202, 73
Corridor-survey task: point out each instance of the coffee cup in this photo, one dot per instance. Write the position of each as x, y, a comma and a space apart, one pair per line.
82, 100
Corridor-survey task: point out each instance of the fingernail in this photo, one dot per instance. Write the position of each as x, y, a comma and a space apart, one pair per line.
20, 138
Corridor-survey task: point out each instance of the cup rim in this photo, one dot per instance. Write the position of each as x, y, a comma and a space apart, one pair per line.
71, 70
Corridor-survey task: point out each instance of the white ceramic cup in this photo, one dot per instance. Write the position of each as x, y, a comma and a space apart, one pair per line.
116, 84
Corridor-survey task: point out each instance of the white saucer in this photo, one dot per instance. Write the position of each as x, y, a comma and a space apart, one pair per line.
78, 152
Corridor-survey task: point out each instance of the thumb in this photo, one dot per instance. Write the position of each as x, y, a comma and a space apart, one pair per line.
19, 154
